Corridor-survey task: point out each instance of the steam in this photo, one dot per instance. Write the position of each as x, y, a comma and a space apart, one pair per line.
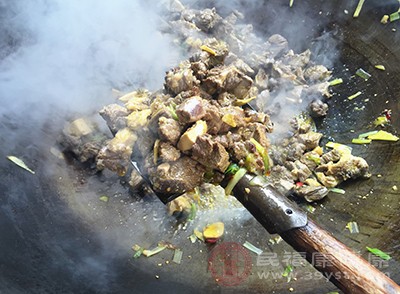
67, 55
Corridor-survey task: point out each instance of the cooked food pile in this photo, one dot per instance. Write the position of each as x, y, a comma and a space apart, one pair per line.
214, 111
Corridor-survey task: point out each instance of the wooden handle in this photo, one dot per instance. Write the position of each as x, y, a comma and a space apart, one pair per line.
336, 261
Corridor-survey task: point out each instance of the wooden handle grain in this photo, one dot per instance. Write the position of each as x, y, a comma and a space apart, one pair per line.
336, 261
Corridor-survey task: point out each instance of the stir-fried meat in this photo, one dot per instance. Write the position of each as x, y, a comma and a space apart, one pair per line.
169, 129
191, 110
168, 152
178, 176
310, 139
115, 116
210, 153
318, 108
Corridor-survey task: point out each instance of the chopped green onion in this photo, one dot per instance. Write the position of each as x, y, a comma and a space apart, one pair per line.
336, 82
310, 208
177, 256
316, 159
383, 136
337, 190
252, 248
138, 252
103, 198
352, 227
358, 8
287, 271
235, 179
192, 238
380, 66
291, 3
354, 95
384, 19
20, 163
394, 16
363, 74
365, 135
193, 210
171, 108
154, 251
379, 253
360, 141
263, 152
232, 169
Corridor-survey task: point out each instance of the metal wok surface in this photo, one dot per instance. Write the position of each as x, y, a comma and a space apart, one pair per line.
57, 237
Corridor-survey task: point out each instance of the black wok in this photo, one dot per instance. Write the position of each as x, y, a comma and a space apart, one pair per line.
56, 237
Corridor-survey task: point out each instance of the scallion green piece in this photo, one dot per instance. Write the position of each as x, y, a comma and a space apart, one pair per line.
365, 135
103, 198
358, 8
193, 210
337, 190
154, 251
363, 74
252, 248
336, 82
287, 271
177, 256
291, 3
354, 95
232, 169
380, 67
360, 141
263, 152
138, 252
379, 253
235, 179
394, 16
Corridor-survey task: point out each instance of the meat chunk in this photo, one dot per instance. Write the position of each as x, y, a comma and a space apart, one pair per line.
191, 110
278, 45
318, 108
116, 154
167, 152
310, 139
180, 79
169, 129
178, 176
317, 73
115, 116
206, 19
210, 153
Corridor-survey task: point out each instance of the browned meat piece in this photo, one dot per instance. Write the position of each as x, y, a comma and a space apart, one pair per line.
116, 154
191, 110
169, 129
115, 116
213, 119
282, 179
167, 152
311, 193
228, 79
332, 155
347, 167
300, 171
206, 19
179, 80
310, 139
256, 131
210, 153
311, 159
178, 176
259, 117
297, 60
82, 138
239, 151
295, 151
318, 108
317, 73
277, 45
261, 79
